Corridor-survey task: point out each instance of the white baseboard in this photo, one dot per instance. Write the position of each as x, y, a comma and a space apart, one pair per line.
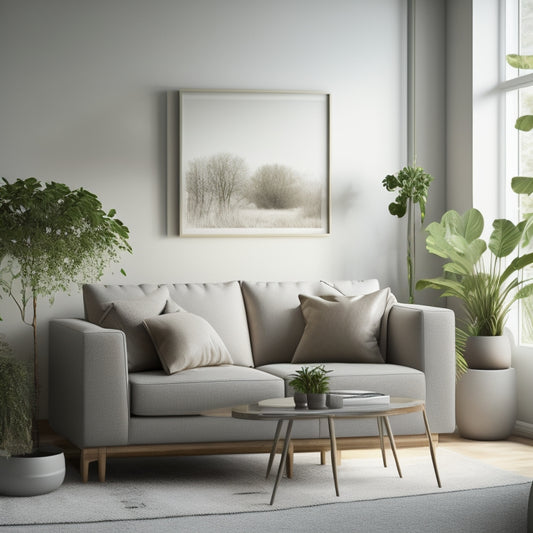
523, 429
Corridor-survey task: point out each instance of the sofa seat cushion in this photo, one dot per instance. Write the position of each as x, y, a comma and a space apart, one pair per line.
395, 380
154, 393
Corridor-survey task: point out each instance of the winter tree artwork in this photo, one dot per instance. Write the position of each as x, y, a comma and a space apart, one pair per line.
251, 163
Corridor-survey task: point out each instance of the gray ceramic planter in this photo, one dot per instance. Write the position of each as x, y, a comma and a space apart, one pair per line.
39, 473
300, 400
316, 401
488, 353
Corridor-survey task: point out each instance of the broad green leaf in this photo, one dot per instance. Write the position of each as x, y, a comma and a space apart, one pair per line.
524, 123
524, 292
527, 230
517, 264
472, 225
448, 286
522, 185
504, 238
520, 61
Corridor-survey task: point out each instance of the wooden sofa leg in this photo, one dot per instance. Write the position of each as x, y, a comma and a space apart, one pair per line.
90, 455
289, 466
84, 465
323, 457
101, 464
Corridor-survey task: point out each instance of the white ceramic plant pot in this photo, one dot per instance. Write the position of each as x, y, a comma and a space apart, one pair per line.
31, 475
488, 353
486, 404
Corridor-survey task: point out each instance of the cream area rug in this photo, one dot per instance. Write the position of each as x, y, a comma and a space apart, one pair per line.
148, 488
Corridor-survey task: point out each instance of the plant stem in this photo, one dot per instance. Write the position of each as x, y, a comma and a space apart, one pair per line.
35, 426
410, 250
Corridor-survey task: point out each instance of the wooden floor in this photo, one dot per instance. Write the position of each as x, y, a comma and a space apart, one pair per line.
514, 454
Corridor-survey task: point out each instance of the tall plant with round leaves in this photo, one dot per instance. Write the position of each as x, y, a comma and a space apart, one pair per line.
51, 238
487, 287
412, 187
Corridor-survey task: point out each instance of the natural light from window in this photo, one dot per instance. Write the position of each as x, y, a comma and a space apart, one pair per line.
519, 101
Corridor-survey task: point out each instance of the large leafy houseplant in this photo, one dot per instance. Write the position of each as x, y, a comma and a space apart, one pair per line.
412, 186
486, 286
52, 237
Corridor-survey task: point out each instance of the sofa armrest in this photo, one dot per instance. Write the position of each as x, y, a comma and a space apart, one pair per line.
423, 337
88, 383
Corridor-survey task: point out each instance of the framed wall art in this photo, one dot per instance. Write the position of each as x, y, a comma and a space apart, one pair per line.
248, 163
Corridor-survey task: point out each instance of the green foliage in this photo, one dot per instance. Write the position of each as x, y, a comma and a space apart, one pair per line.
520, 61
51, 238
15, 404
486, 288
521, 184
412, 186
311, 379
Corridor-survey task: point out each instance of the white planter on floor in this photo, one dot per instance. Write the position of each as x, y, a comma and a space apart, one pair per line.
39, 473
486, 404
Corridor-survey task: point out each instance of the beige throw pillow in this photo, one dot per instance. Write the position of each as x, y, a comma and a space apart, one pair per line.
341, 329
128, 316
184, 340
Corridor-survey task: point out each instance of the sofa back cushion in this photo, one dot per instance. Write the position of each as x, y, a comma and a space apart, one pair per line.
124, 307
274, 317
221, 304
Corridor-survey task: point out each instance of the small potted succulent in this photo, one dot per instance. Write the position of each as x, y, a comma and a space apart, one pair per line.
313, 383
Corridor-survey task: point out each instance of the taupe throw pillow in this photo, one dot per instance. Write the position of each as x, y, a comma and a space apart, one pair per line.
184, 340
341, 329
128, 316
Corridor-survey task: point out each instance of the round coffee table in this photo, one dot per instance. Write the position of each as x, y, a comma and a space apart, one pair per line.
282, 409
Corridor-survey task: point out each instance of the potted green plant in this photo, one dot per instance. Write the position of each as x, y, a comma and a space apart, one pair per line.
313, 382
487, 287
52, 237
412, 186
23, 471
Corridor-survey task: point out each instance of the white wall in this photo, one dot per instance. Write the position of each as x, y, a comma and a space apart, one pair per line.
82, 102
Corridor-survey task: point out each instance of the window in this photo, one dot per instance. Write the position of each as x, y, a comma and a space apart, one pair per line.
518, 89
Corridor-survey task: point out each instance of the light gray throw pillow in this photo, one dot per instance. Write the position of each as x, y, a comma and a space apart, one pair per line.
128, 316
341, 329
185, 340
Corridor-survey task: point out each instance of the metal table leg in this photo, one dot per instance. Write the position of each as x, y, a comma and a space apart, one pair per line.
274, 446
382, 441
431, 448
283, 459
333, 443
392, 444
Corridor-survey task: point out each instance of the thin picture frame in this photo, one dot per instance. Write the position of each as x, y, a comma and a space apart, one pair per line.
248, 163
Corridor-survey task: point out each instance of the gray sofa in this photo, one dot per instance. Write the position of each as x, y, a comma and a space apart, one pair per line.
111, 393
